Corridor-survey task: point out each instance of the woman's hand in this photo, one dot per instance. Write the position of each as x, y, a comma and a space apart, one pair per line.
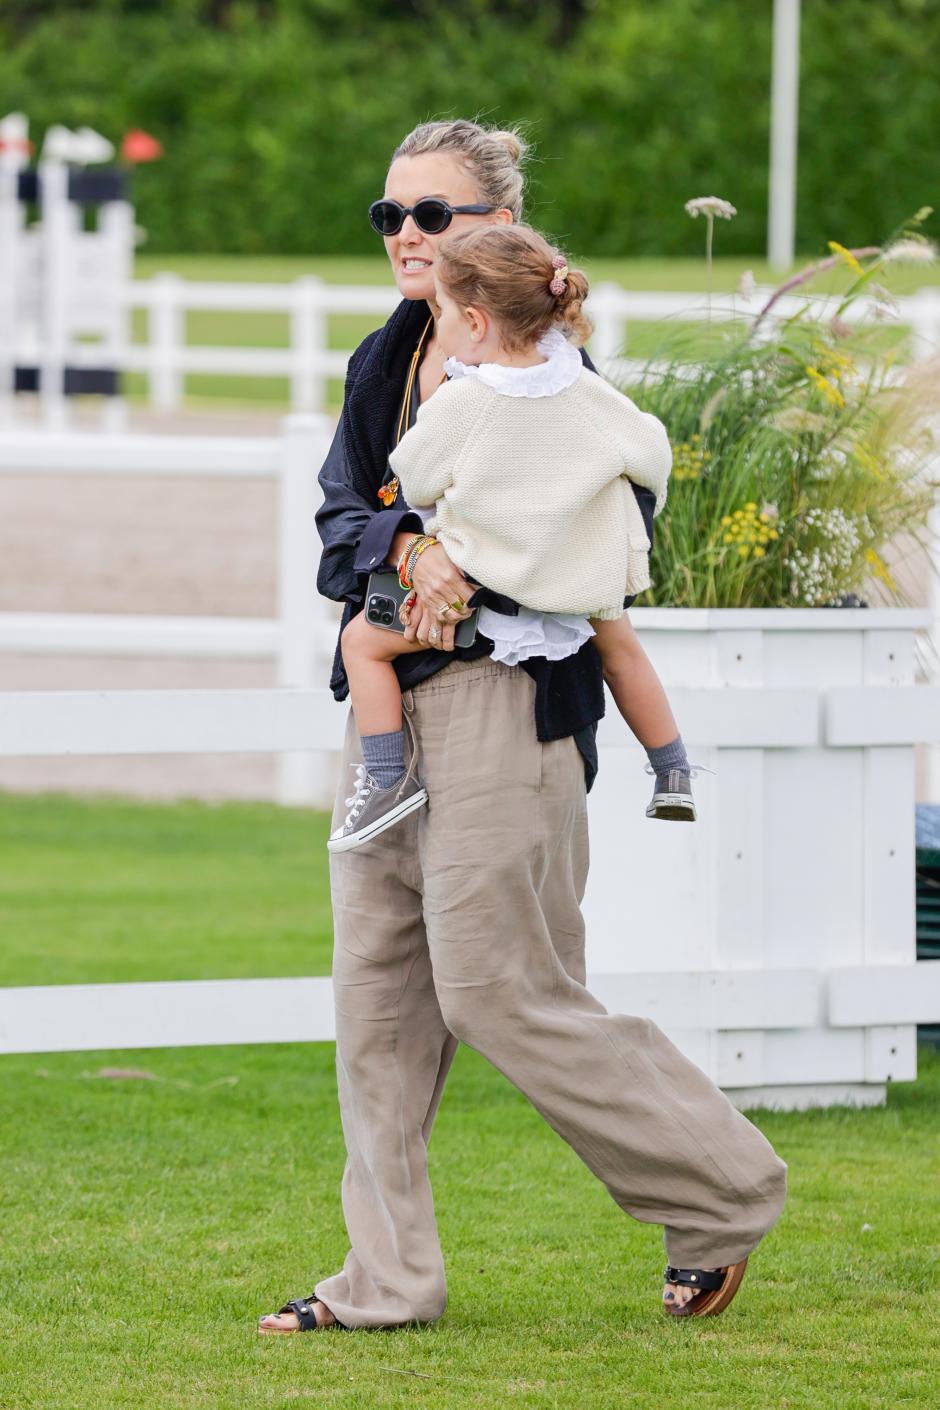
437, 582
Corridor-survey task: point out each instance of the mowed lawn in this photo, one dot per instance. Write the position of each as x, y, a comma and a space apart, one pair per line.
148, 1219
345, 332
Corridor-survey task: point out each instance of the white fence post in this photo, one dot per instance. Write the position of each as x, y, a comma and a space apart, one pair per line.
923, 312
604, 310
308, 342
167, 339
304, 779
54, 204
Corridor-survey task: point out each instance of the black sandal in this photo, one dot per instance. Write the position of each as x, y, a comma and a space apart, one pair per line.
716, 1288
302, 1307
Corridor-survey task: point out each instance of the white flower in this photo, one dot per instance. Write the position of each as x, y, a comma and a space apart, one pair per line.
746, 285
711, 206
914, 250
884, 296
770, 510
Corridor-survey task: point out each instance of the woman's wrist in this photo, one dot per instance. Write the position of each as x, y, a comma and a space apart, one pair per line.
398, 545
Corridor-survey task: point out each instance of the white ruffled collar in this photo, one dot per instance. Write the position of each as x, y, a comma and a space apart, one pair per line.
562, 368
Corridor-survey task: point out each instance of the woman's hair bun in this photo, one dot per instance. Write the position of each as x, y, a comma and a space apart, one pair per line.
514, 142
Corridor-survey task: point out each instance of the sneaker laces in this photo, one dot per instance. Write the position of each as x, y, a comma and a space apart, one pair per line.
363, 788
694, 770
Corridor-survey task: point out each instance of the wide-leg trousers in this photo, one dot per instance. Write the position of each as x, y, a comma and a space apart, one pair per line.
463, 924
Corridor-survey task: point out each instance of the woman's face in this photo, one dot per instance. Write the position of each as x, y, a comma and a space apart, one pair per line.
411, 251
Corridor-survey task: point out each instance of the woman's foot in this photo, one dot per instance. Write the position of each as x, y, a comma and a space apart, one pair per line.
290, 1322
714, 1287
677, 1295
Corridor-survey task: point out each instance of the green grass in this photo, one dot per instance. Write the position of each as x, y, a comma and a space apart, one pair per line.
271, 330
94, 892
147, 1222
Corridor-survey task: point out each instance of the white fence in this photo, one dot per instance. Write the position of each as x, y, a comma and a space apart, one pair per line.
789, 975
300, 639
308, 362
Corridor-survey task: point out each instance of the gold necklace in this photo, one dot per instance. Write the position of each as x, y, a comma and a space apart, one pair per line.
388, 493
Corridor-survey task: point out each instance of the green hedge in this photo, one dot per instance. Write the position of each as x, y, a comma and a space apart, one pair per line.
278, 121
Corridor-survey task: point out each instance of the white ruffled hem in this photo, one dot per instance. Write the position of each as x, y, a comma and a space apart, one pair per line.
553, 635
562, 368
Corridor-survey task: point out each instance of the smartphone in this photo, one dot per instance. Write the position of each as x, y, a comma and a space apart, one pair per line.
385, 595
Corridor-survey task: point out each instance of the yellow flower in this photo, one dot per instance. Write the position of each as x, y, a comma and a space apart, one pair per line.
846, 255
831, 393
746, 531
880, 568
688, 459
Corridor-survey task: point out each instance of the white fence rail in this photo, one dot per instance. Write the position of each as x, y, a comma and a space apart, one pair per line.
308, 362
786, 1035
300, 638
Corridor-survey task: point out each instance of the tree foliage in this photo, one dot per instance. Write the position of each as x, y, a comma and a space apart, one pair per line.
278, 116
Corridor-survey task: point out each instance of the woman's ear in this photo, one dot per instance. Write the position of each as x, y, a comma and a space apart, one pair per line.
503, 217
477, 323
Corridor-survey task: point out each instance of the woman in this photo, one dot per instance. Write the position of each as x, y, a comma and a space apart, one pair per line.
463, 922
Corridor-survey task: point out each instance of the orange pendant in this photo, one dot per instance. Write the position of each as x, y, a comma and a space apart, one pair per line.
387, 493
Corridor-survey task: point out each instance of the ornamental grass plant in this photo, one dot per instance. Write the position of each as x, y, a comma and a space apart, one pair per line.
802, 448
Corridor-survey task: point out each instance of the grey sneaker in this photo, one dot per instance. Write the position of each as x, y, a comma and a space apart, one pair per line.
373, 809
672, 797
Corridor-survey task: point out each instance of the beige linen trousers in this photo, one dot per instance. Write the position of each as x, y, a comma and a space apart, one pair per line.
463, 924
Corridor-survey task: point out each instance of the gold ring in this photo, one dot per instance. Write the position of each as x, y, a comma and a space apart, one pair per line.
442, 611
459, 606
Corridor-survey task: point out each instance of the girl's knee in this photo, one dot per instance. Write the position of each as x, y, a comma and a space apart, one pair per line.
359, 640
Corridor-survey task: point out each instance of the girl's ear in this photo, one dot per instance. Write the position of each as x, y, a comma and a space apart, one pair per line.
477, 322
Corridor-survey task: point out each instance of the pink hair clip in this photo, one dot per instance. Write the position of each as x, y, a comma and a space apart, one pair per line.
557, 286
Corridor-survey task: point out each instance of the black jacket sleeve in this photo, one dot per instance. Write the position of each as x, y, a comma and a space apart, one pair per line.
356, 535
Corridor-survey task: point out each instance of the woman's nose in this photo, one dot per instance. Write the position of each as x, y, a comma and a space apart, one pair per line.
409, 233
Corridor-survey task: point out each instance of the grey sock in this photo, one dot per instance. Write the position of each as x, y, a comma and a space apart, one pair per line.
670, 756
384, 756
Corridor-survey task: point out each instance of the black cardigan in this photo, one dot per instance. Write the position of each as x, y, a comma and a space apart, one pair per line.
357, 532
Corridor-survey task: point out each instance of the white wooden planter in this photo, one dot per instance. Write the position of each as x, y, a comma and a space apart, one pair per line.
774, 939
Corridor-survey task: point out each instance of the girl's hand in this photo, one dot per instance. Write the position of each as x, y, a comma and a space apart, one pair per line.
436, 581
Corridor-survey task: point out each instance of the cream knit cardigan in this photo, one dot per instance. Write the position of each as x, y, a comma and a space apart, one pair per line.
532, 494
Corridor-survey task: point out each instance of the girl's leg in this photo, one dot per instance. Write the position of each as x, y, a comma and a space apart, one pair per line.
368, 653
642, 702
634, 684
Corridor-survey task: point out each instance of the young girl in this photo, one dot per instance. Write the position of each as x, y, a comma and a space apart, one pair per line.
523, 467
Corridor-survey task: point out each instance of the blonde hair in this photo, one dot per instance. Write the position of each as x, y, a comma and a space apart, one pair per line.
491, 158
506, 270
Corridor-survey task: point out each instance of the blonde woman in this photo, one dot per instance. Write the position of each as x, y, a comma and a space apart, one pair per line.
463, 923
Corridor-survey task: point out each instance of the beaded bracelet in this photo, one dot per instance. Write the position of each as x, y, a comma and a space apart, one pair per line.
403, 559
427, 541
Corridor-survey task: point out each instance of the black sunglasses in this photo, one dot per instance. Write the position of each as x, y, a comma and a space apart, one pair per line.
430, 215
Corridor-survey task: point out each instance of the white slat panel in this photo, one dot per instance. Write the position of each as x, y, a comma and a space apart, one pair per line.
62, 453
783, 998
885, 994
888, 875
34, 723
739, 1058
126, 633
882, 715
891, 1053
191, 1013
742, 719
